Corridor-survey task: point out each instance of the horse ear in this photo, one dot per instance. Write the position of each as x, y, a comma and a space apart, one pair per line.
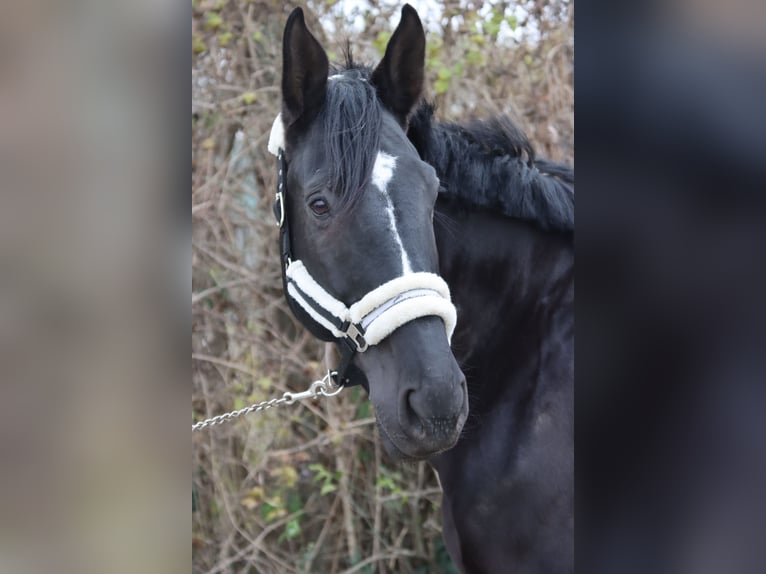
304, 72
399, 76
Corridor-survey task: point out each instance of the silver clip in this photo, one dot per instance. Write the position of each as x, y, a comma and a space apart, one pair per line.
325, 387
310, 393
357, 336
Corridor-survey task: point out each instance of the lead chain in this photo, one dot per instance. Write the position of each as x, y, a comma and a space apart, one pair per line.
324, 387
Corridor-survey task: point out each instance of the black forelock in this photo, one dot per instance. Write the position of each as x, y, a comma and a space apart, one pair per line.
351, 121
491, 164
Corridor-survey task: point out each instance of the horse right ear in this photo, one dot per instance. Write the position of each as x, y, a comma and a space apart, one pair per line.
399, 76
304, 72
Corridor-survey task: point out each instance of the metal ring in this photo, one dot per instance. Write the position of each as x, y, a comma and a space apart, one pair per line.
328, 381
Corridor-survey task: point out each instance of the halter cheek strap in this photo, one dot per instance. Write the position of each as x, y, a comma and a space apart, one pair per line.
371, 319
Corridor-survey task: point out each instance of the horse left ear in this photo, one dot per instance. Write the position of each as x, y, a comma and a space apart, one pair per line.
399, 76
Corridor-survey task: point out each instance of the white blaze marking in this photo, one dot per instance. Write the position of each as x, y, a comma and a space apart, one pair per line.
382, 172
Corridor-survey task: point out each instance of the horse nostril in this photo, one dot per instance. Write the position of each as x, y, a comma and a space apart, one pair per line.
442, 401
412, 404
411, 418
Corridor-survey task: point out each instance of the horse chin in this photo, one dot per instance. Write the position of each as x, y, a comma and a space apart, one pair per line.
406, 450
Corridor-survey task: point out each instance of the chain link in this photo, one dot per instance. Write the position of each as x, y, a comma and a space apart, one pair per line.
325, 387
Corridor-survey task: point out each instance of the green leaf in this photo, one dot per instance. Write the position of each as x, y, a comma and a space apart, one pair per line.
294, 502
213, 21
287, 475
292, 528
477, 39
264, 383
327, 488
225, 38
386, 482
441, 86
474, 57
248, 98
266, 510
381, 41
321, 472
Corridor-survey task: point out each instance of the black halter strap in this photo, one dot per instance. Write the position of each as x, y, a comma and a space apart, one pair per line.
347, 373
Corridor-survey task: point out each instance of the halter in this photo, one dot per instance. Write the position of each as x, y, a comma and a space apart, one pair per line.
369, 320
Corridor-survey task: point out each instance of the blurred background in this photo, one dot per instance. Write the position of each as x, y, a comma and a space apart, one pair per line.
307, 488
96, 252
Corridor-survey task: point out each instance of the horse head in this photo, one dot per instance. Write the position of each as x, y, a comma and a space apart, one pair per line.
360, 202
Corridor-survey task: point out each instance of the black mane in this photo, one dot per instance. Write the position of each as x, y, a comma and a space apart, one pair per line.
491, 164
488, 164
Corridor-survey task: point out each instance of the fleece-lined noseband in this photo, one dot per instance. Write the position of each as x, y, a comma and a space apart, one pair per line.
371, 319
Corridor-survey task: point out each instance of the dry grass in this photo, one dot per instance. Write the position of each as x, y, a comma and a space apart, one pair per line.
306, 488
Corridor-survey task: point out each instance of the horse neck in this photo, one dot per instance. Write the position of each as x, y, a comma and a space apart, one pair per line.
513, 286
490, 257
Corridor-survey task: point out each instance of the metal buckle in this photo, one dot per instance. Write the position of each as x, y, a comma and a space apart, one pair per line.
354, 334
280, 198
281, 168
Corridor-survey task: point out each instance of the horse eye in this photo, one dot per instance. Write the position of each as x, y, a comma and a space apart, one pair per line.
319, 207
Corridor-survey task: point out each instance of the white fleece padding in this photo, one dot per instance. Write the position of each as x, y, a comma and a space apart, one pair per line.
370, 317
295, 294
297, 272
428, 296
409, 310
277, 136
394, 287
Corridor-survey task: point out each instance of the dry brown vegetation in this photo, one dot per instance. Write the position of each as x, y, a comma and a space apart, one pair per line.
306, 488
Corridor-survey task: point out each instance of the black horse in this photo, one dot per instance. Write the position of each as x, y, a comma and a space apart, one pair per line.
376, 199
